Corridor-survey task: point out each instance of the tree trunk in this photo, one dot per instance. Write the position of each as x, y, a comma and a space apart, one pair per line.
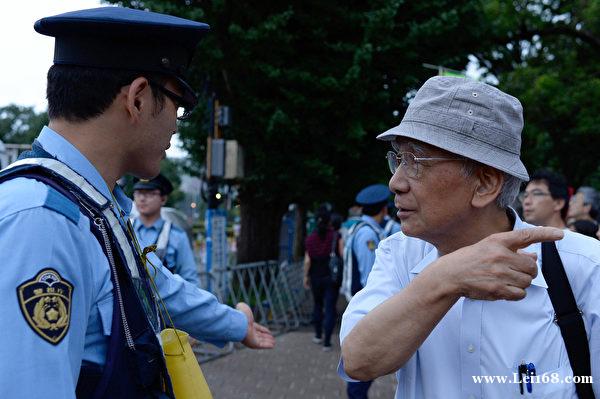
259, 234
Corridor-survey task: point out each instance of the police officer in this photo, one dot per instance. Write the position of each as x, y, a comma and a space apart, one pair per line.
172, 243
390, 223
363, 241
79, 302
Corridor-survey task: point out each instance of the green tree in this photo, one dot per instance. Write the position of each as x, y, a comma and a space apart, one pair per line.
310, 84
20, 125
546, 53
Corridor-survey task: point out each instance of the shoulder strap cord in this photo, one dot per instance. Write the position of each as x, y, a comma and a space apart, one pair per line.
163, 240
568, 317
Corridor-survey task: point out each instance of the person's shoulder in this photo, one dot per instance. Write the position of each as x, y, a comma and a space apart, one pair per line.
404, 243
178, 233
364, 229
176, 229
581, 245
311, 237
22, 194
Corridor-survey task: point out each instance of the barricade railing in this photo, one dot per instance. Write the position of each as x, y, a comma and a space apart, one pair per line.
274, 292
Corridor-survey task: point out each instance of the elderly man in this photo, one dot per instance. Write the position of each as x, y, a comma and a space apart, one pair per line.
584, 205
457, 296
546, 199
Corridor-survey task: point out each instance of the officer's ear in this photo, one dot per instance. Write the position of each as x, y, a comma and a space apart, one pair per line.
163, 199
137, 98
488, 184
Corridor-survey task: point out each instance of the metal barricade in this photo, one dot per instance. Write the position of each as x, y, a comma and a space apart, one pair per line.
274, 292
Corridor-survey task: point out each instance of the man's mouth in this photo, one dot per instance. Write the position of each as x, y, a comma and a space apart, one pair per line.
404, 212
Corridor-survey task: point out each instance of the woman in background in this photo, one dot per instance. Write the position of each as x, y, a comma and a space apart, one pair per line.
317, 276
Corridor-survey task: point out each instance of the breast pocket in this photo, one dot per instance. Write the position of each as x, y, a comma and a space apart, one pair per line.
105, 310
547, 384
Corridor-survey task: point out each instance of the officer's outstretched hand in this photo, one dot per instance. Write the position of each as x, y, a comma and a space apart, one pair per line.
495, 267
257, 337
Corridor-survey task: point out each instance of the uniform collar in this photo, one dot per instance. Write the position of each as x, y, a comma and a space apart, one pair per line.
157, 225
373, 223
539, 280
60, 148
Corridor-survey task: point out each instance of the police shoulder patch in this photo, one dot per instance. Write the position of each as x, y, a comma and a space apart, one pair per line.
45, 302
371, 245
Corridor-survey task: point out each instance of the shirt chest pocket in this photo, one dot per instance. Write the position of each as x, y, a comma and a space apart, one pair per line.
105, 311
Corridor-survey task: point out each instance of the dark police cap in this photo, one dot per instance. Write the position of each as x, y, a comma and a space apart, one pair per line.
373, 194
158, 183
126, 39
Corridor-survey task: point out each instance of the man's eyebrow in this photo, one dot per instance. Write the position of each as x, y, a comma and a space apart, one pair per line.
409, 146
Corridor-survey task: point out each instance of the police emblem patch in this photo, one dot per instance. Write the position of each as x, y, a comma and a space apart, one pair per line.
45, 302
371, 245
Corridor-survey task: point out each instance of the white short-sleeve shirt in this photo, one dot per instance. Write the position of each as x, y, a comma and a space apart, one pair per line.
478, 338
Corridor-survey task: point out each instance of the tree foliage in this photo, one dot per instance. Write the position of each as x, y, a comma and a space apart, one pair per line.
310, 84
20, 125
546, 54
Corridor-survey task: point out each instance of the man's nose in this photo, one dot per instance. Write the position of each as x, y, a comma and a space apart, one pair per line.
398, 182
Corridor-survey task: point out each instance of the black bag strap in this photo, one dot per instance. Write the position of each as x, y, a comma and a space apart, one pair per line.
568, 317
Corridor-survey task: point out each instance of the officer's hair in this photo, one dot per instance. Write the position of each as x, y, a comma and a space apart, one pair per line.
77, 93
374, 209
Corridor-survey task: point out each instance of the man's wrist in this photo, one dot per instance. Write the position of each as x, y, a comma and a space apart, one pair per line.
442, 280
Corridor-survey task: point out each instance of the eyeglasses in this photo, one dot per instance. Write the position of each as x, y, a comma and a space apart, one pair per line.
410, 163
535, 194
183, 104
146, 194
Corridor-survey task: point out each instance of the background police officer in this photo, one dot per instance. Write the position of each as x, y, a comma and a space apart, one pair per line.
78, 302
172, 243
363, 242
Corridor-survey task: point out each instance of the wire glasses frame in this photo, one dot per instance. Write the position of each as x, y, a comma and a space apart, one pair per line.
535, 194
411, 163
183, 105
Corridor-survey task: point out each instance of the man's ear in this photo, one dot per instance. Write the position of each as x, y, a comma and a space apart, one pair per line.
136, 98
488, 185
558, 204
163, 200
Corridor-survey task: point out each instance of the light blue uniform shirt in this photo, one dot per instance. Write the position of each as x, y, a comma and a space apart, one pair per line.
487, 338
364, 243
179, 256
390, 226
35, 236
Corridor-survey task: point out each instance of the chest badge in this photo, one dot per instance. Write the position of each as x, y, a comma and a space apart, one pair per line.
45, 302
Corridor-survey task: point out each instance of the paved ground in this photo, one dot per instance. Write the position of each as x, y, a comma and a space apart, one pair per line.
296, 368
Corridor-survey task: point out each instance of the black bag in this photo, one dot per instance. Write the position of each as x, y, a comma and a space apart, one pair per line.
336, 264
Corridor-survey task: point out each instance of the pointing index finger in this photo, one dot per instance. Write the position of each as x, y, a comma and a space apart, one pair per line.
522, 238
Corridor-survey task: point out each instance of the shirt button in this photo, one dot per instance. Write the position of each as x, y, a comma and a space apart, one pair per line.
470, 349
